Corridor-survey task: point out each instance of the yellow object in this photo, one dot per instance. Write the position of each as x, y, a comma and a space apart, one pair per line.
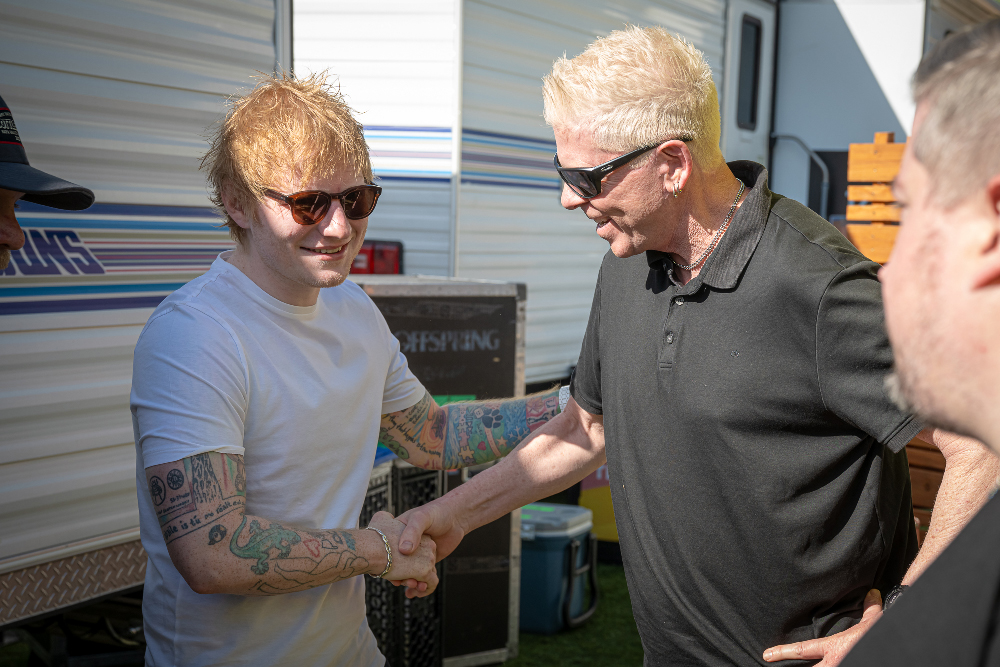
598, 501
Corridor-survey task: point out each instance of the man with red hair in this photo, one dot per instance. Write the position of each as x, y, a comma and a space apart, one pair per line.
259, 393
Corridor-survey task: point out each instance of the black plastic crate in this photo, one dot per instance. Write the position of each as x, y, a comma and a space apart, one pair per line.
408, 632
421, 618
380, 596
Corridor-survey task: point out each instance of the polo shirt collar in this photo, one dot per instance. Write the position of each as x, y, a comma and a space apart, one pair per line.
723, 268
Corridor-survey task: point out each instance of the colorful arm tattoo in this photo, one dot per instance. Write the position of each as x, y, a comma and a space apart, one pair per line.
208, 491
465, 434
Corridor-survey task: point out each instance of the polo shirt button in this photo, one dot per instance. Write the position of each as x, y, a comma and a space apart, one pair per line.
679, 300
670, 338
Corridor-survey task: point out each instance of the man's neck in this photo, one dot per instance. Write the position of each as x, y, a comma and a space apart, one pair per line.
707, 201
984, 417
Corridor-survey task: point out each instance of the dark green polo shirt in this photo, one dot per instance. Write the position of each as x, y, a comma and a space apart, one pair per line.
757, 468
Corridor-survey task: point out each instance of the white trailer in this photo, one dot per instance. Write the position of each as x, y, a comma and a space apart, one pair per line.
843, 73
113, 95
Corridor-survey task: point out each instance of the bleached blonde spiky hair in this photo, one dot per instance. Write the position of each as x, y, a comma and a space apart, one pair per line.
635, 87
283, 129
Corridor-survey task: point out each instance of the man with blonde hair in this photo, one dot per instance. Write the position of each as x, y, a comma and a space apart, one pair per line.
942, 303
731, 375
259, 393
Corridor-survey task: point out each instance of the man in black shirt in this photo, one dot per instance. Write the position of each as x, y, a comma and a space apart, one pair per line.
731, 375
942, 296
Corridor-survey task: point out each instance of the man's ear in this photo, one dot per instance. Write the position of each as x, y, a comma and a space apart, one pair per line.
988, 273
233, 208
675, 164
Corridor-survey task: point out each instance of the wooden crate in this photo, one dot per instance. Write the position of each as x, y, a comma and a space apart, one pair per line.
872, 212
926, 472
872, 225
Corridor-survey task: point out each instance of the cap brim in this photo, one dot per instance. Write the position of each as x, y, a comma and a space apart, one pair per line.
42, 188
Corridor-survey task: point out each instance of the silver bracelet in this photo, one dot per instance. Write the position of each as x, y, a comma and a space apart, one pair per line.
388, 552
563, 397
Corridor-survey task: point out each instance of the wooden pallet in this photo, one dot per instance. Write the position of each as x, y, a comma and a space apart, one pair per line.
926, 472
872, 224
872, 212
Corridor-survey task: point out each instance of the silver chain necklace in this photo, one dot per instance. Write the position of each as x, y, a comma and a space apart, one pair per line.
718, 234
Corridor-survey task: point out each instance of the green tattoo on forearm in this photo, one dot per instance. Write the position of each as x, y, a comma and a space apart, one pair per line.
318, 553
261, 542
465, 434
487, 430
204, 491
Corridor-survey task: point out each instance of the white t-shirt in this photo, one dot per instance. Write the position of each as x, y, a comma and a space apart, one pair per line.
299, 392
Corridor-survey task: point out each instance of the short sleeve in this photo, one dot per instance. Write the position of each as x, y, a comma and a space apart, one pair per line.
854, 357
189, 388
402, 388
586, 383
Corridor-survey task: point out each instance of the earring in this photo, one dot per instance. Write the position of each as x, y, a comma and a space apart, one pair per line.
677, 191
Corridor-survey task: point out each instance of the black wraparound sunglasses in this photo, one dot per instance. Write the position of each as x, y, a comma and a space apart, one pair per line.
586, 182
309, 207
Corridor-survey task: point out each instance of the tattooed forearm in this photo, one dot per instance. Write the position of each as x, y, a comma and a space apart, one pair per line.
484, 431
421, 426
330, 552
465, 434
255, 556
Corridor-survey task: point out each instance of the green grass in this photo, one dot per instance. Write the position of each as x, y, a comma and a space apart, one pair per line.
14, 655
609, 638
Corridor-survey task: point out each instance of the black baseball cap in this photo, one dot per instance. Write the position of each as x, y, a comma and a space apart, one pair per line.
38, 187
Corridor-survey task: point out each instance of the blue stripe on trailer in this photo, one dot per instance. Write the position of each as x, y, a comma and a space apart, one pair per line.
511, 184
66, 290
69, 305
105, 223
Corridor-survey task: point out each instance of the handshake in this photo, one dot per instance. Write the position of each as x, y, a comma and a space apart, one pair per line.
418, 539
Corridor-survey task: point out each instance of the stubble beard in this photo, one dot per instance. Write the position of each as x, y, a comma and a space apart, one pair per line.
295, 272
901, 390
337, 278
331, 281
893, 385
4, 258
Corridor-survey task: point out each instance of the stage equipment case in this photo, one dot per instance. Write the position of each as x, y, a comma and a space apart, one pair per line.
464, 340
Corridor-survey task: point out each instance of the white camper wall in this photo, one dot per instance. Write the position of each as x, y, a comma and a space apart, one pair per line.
510, 223
116, 96
844, 68
396, 63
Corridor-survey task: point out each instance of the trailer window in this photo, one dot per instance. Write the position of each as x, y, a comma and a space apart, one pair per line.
746, 104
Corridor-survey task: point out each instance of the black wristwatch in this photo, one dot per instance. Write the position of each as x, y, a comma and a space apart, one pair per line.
893, 595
